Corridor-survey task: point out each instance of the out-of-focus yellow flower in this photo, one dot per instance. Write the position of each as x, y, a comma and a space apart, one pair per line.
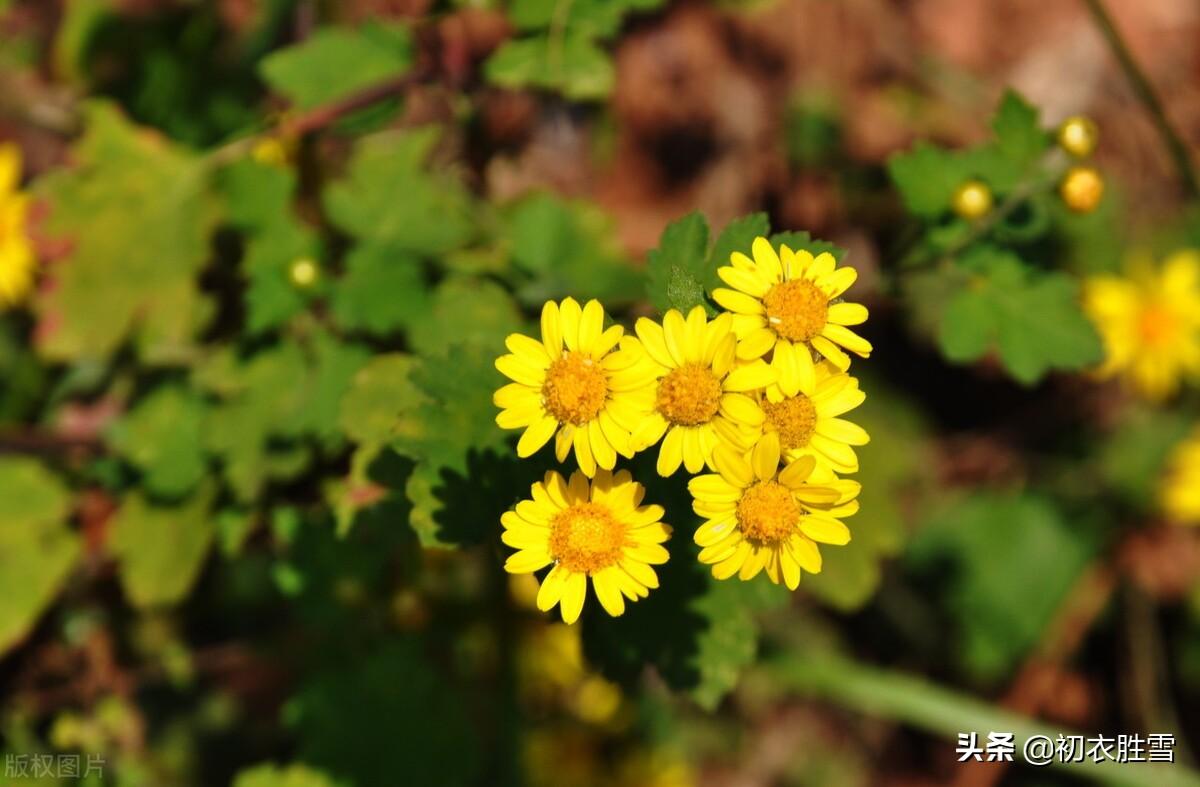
655, 768
758, 517
575, 383
17, 260
1081, 189
274, 151
1078, 136
1150, 323
598, 531
1180, 489
788, 302
701, 395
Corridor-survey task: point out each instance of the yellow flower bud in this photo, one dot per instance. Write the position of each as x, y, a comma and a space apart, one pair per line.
1081, 189
1078, 136
304, 273
972, 200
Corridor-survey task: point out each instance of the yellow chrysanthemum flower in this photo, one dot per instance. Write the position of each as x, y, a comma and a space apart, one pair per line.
788, 302
599, 531
1180, 489
591, 393
760, 517
17, 261
1150, 323
806, 417
701, 395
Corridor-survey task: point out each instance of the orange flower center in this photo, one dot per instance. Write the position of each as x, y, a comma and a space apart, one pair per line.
689, 395
767, 513
575, 389
795, 418
797, 310
1158, 325
586, 538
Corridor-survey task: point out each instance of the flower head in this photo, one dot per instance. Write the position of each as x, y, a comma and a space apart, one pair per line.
1150, 323
806, 417
788, 302
575, 383
17, 260
598, 531
700, 398
758, 517
1180, 488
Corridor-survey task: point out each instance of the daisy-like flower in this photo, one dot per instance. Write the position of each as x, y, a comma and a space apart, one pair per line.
1179, 492
574, 382
1149, 322
701, 396
758, 517
806, 416
788, 302
599, 531
17, 260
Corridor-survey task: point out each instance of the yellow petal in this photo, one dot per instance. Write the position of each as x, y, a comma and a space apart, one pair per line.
738, 302
843, 431
765, 457
583, 452
552, 587
848, 339
655, 342
839, 281
831, 351
591, 327
675, 333
739, 407
536, 436
516, 368
733, 467
847, 313
749, 377
756, 344
766, 259
573, 593
527, 560
608, 591
797, 472
693, 454
744, 281
570, 315
670, 453
552, 338
825, 531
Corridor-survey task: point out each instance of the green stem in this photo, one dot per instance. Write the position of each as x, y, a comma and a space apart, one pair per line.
927, 706
1146, 94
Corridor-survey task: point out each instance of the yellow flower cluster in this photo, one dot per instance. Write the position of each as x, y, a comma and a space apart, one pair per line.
753, 395
17, 261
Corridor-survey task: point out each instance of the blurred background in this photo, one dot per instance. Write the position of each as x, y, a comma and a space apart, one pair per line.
250, 485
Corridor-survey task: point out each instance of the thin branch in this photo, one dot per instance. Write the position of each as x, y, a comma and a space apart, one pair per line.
1147, 95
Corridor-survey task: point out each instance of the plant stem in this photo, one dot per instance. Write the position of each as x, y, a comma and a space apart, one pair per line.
913, 700
1146, 94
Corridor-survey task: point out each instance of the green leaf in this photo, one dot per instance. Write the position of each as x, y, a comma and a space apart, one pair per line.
333, 365
594, 18
894, 469
696, 631
927, 177
335, 62
1019, 138
1032, 319
138, 214
381, 291
738, 235
455, 418
493, 315
37, 550
389, 198
803, 241
568, 248
984, 537
256, 195
271, 298
271, 775
161, 437
378, 394
1133, 458
679, 272
160, 549
571, 64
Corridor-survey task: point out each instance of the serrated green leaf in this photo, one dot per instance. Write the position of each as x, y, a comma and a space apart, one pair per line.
379, 393
335, 62
1019, 138
739, 235
571, 64
271, 775
493, 315
985, 536
381, 291
161, 437
138, 214
389, 198
1033, 319
161, 549
37, 550
256, 195
455, 419
803, 241
569, 250
679, 272
926, 177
